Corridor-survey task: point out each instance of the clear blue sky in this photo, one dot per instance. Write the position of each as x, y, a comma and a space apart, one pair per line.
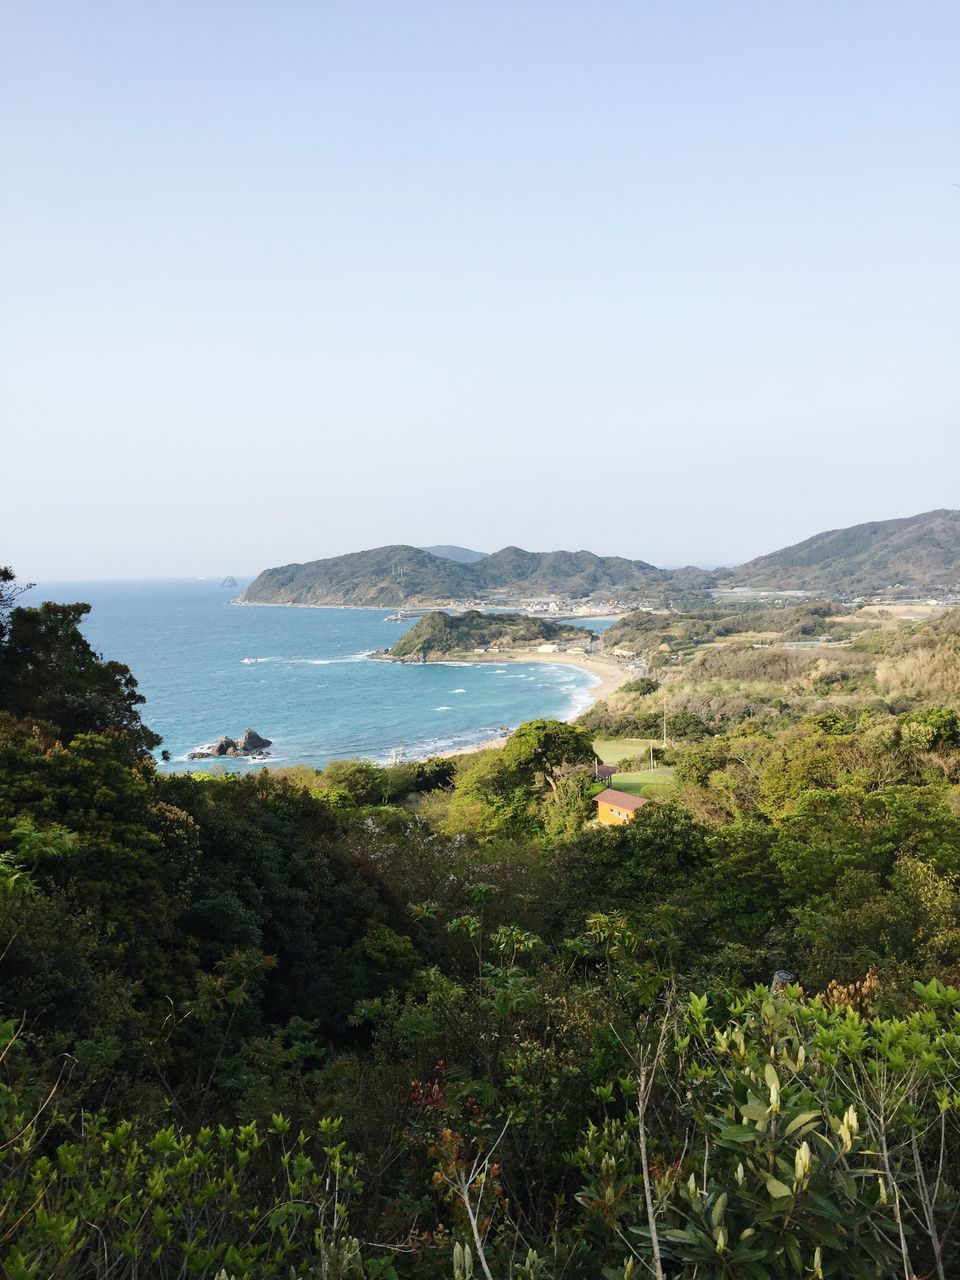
671, 280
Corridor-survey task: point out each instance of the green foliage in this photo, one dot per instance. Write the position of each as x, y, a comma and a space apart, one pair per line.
439, 633
115, 1201
543, 747
397, 575
641, 687
48, 670
553, 1046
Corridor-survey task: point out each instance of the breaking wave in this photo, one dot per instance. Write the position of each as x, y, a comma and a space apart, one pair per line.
310, 662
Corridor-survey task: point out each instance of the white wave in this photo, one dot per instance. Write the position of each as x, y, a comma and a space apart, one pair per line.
441, 708
422, 748
458, 691
270, 758
310, 662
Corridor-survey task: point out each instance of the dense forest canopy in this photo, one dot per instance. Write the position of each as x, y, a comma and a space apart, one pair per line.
431, 1021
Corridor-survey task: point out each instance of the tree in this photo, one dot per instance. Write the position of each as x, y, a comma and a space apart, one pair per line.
48, 671
9, 590
544, 746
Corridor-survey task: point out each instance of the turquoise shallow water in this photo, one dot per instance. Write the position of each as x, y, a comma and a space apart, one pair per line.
300, 677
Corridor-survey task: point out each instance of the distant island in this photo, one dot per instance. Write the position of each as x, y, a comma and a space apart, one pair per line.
894, 558
442, 635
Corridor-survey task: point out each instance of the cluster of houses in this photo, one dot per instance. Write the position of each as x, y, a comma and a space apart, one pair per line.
614, 808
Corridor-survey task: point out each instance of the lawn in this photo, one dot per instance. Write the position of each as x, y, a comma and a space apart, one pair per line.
650, 783
613, 750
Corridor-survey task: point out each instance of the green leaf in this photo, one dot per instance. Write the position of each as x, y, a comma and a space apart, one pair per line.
754, 1110
792, 1250
738, 1133
777, 1190
716, 1216
798, 1121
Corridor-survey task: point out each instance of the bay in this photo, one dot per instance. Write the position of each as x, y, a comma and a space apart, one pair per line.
300, 676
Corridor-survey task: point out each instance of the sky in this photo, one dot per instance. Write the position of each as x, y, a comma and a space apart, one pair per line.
675, 281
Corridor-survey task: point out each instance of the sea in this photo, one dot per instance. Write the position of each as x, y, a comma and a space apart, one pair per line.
302, 677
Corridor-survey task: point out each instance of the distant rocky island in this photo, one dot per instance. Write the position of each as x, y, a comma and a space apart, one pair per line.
918, 554
442, 635
249, 745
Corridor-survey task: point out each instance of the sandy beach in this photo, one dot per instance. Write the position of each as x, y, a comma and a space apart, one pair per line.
610, 674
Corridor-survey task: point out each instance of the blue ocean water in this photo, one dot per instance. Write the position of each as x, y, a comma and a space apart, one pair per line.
300, 676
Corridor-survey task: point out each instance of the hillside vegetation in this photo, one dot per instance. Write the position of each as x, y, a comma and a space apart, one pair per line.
708, 678
920, 552
398, 575
441, 634
433, 1022
648, 633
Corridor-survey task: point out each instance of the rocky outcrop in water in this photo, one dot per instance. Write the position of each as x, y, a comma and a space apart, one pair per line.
249, 746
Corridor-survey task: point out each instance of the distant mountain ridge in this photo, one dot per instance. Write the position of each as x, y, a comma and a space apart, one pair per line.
463, 555
399, 575
919, 552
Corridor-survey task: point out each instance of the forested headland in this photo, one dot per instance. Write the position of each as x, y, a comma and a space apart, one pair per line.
430, 1022
442, 635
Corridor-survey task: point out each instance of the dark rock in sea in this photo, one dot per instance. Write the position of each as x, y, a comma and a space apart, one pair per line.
250, 744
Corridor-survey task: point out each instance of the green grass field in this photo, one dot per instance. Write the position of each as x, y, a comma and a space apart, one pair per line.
650, 783
613, 750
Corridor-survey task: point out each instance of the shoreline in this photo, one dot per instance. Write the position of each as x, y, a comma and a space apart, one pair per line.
608, 673
600, 615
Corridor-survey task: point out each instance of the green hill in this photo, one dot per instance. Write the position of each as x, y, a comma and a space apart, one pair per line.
920, 552
399, 575
384, 576
917, 554
463, 555
650, 634
441, 634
